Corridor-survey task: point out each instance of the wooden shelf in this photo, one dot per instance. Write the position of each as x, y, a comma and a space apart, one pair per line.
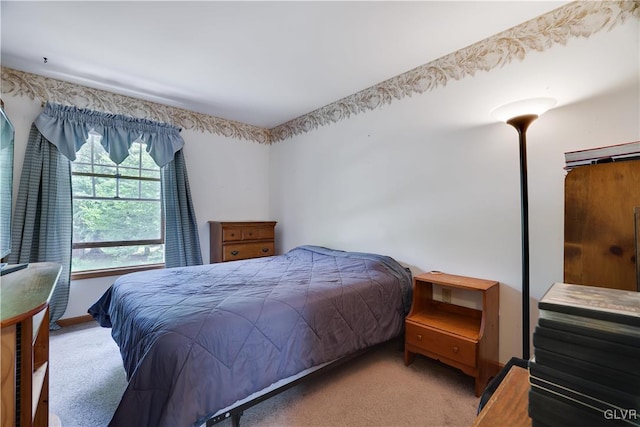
454, 281
24, 322
451, 321
38, 382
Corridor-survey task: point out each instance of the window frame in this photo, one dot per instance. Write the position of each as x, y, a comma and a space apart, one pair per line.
113, 271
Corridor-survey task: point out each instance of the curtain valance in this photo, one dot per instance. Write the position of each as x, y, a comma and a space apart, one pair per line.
68, 128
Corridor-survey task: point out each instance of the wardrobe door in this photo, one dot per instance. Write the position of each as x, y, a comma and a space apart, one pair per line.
600, 235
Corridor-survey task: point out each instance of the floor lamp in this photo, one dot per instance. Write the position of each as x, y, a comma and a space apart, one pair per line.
520, 115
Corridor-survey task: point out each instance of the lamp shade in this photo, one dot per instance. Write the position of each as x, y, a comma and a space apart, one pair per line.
536, 106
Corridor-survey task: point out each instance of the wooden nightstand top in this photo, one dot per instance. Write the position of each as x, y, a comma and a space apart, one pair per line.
452, 280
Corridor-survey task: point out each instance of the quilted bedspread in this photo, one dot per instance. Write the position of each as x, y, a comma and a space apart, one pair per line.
194, 340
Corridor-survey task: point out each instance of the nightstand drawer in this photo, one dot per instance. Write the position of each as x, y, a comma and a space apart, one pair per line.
247, 250
441, 343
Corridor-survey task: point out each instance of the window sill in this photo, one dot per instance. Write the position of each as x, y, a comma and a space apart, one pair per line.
90, 274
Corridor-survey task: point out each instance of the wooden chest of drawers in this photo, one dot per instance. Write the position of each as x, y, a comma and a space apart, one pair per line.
230, 241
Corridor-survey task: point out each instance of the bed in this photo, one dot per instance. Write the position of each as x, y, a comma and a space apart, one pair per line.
200, 342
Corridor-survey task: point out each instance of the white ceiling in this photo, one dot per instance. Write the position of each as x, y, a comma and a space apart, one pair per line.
260, 63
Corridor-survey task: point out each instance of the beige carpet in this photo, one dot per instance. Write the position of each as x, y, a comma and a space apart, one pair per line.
375, 389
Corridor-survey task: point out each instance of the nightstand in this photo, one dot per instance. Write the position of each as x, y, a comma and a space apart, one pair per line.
462, 337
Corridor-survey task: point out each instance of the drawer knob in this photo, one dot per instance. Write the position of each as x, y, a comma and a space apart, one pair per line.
455, 349
234, 253
265, 250
419, 337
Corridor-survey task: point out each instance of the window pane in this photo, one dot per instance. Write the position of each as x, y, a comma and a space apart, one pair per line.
105, 187
148, 162
132, 161
101, 157
148, 173
105, 169
116, 220
119, 256
130, 188
127, 171
150, 189
81, 167
82, 185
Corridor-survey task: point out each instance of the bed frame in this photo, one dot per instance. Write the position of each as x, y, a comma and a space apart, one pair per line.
236, 412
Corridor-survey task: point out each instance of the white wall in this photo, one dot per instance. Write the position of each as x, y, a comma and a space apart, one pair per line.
432, 181
229, 180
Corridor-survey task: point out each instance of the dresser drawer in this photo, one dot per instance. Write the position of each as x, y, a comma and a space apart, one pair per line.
441, 343
257, 233
231, 234
247, 250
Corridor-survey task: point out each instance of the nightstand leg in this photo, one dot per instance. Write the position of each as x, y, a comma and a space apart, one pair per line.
479, 386
408, 357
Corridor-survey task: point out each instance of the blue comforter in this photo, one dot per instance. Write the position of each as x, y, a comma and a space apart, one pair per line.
195, 340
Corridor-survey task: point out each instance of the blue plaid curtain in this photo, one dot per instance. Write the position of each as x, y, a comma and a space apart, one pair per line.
182, 244
68, 128
42, 225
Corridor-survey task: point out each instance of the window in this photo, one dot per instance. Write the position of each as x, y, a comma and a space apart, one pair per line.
117, 210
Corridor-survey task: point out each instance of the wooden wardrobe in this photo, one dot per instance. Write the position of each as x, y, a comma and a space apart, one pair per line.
601, 225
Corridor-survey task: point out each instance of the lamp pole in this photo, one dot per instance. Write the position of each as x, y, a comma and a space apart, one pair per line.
520, 114
521, 123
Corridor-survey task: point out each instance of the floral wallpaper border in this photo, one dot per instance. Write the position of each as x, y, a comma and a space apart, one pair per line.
576, 19
45, 89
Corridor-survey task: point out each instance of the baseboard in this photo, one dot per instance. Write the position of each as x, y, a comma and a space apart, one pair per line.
74, 320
